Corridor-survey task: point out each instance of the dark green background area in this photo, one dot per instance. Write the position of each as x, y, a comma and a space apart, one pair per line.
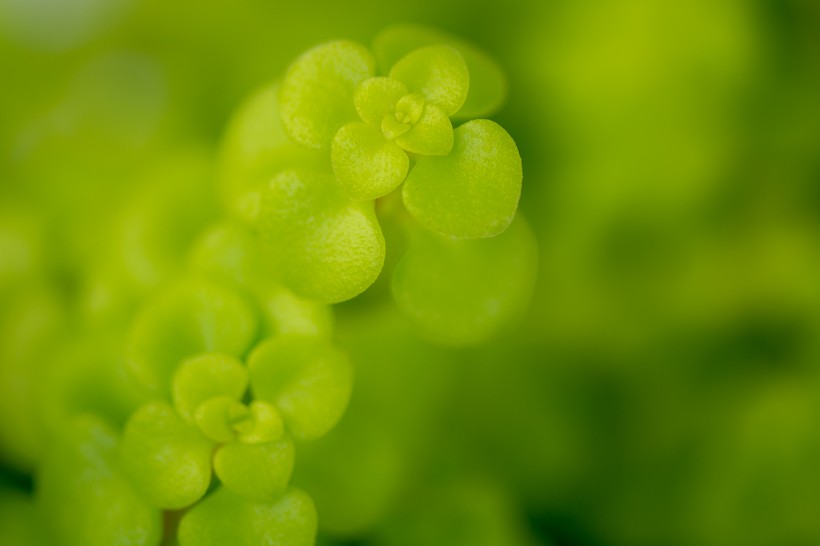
663, 387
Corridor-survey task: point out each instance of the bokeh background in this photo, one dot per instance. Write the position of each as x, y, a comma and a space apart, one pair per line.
663, 387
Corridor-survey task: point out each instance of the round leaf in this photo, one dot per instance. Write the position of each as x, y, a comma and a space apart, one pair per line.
326, 247
376, 97
260, 472
366, 164
463, 291
167, 460
207, 376
187, 320
474, 191
438, 72
488, 84
83, 498
431, 135
316, 97
255, 148
227, 518
307, 379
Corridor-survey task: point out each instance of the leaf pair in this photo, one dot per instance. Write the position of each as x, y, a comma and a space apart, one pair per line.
85, 499
299, 383
168, 451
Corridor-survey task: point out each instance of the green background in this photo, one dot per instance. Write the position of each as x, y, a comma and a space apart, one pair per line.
661, 389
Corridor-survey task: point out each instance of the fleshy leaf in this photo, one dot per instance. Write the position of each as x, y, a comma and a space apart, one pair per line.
205, 376
83, 498
286, 313
255, 148
376, 97
366, 164
316, 97
225, 252
463, 291
215, 417
263, 424
474, 191
431, 135
167, 460
326, 247
191, 318
438, 72
307, 379
260, 472
488, 84
226, 518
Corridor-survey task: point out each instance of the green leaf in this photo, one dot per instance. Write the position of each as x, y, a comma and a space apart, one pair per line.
474, 191
316, 97
226, 252
488, 84
326, 247
167, 460
225, 518
431, 135
376, 97
206, 376
307, 379
286, 313
366, 164
189, 319
461, 291
215, 417
262, 424
260, 472
255, 147
437, 72
83, 498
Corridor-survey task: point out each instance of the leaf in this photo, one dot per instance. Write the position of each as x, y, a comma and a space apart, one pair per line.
316, 97
431, 135
189, 319
366, 164
461, 291
255, 147
259, 472
206, 376
437, 72
376, 97
474, 191
167, 460
307, 379
286, 313
83, 498
225, 518
488, 84
215, 417
326, 247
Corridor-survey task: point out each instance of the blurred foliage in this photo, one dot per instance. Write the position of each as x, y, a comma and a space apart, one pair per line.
663, 387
